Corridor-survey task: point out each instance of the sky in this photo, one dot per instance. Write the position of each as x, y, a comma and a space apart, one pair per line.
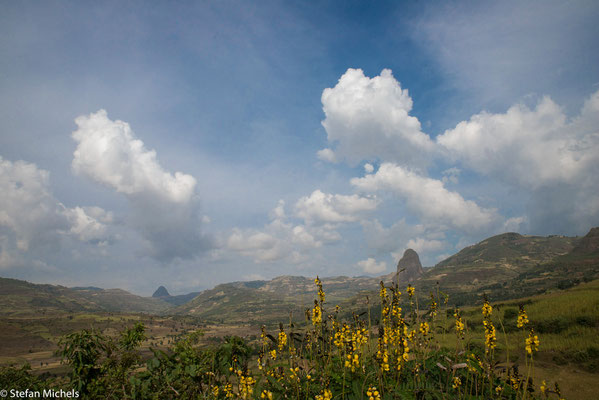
188, 144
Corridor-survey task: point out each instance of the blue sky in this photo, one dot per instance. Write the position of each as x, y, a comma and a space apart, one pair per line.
189, 144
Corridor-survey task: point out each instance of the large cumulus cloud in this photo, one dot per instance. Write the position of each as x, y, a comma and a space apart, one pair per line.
369, 119
164, 205
32, 220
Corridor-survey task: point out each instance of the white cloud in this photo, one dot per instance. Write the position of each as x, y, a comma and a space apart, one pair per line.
540, 151
368, 168
369, 118
88, 223
423, 245
165, 208
259, 245
370, 266
530, 148
109, 153
389, 239
31, 217
327, 155
428, 198
279, 239
451, 175
322, 207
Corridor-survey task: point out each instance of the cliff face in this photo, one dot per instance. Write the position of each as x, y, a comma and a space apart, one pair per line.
409, 268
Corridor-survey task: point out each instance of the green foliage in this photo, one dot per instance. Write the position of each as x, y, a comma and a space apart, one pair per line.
20, 379
403, 352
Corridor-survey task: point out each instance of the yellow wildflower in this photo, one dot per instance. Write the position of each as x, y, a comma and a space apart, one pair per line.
490, 335
457, 382
532, 343
522, 318
326, 395
316, 314
543, 386
410, 289
282, 340
487, 309
266, 395
373, 393
424, 328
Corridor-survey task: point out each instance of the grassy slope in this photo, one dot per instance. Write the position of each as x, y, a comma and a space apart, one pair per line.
23, 298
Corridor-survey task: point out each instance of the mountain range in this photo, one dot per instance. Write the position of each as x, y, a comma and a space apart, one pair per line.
504, 266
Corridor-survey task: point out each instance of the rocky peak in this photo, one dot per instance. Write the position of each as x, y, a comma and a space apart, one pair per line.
161, 292
409, 267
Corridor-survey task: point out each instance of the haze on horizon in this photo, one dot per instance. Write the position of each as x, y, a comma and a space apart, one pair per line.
191, 144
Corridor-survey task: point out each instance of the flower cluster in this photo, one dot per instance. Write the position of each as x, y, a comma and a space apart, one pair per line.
373, 394
532, 343
522, 318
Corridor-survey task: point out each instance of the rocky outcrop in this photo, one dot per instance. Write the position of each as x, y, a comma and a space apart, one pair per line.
409, 268
161, 292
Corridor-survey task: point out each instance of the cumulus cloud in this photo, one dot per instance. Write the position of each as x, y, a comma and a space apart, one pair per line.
327, 155
540, 151
32, 218
423, 245
164, 205
531, 148
109, 153
370, 266
369, 118
279, 239
322, 207
427, 197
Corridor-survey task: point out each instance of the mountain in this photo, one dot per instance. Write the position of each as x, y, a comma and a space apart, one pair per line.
163, 294
19, 297
511, 265
504, 266
272, 301
409, 268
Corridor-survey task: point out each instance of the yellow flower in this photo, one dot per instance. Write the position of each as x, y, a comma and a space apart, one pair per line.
273, 354
459, 324
373, 393
383, 292
457, 382
498, 390
326, 395
532, 343
266, 395
282, 340
543, 386
490, 335
424, 328
316, 314
487, 309
522, 318
215, 391
410, 289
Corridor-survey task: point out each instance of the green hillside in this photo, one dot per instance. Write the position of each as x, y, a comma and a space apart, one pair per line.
23, 298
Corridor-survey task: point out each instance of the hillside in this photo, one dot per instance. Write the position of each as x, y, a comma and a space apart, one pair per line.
271, 301
505, 266
23, 298
511, 265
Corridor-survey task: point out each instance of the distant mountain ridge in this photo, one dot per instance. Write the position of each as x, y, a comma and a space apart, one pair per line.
19, 297
504, 266
508, 265
163, 294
